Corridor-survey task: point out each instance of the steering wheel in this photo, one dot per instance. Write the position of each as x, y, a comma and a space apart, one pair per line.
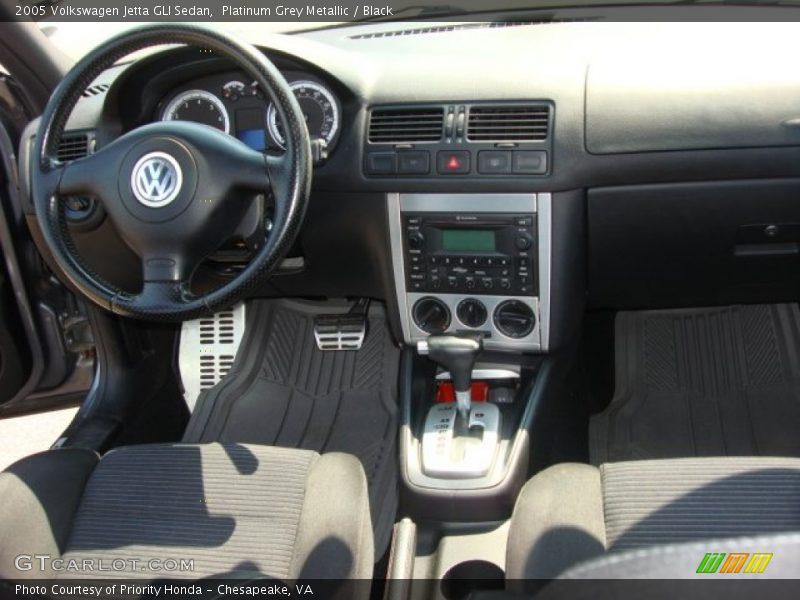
174, 190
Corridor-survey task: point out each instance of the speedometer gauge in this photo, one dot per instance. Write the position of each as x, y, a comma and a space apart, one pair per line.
319, 108
198, 106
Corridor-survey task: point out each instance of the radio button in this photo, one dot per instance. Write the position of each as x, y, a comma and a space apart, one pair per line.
452, 282
523, 221
470, 283
505, 284
433, 260
487, 283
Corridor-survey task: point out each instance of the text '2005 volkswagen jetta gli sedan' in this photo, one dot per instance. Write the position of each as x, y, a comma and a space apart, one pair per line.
462, 301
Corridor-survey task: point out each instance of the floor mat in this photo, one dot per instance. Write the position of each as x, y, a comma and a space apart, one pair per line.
283, 391
703, 382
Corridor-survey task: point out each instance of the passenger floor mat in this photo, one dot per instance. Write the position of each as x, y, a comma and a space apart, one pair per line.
703, 382
283, 391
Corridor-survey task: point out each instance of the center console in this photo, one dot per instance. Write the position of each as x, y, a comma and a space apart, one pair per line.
470, 268
473, 263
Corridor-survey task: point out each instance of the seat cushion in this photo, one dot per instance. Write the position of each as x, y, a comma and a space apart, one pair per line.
234, 510
570, 513
39, 496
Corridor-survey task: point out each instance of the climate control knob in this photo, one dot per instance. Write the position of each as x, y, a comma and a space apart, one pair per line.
514, 319
431, 315
471, 312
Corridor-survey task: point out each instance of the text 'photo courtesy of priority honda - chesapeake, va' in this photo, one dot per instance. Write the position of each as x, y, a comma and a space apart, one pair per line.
400, 300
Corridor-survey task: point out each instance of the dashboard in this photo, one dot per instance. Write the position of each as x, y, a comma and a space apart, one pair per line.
642, 156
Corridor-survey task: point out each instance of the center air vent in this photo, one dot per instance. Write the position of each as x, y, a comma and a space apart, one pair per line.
522, 123
395, 125
73, 146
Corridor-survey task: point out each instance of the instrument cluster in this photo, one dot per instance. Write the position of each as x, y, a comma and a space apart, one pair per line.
237, 106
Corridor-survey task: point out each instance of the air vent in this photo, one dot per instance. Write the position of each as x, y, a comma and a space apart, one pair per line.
528, 123
393, 125
73, 146
95, 90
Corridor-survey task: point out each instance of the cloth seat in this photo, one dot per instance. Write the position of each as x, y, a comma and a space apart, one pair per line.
572, 513
234, 510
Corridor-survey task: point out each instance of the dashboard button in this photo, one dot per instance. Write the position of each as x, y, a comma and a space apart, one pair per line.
452, 162
382, 163
487, 283
530, 161
413, 163
519, 221
494, 161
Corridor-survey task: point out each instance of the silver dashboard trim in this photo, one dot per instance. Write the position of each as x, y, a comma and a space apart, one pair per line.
539, 339
471, 203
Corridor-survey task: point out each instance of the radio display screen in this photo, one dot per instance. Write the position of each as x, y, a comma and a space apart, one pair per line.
469, 240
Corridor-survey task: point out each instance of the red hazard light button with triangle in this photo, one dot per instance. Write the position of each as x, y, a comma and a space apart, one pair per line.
452, 162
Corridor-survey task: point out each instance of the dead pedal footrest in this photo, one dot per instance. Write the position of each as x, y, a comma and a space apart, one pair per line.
342, 332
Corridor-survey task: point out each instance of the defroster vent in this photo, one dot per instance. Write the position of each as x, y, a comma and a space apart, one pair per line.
395, 125
507, 123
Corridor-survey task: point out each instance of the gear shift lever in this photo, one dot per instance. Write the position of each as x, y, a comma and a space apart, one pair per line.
457, 354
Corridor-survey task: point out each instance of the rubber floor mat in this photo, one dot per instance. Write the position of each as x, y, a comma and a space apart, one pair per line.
283, 391
703, 382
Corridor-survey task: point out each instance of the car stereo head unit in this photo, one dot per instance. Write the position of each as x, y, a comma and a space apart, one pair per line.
471, 253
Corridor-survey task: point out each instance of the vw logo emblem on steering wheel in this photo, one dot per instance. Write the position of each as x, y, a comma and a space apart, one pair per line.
156, 179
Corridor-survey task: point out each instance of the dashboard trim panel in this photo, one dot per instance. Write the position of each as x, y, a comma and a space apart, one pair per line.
539, 339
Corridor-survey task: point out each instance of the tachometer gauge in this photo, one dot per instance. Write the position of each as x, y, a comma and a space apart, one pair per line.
198, 106
319, 107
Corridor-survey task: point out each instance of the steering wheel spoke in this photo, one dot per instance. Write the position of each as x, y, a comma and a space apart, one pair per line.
82, 176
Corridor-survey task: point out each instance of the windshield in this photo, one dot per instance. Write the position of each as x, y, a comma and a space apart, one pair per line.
76, 37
